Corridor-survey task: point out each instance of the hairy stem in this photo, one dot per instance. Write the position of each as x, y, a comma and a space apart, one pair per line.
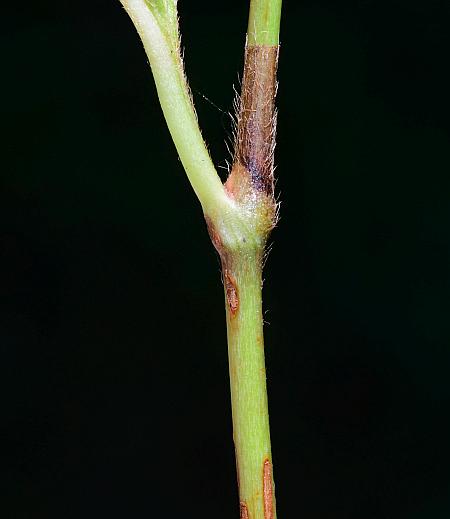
239, 215
159, 34
251, 185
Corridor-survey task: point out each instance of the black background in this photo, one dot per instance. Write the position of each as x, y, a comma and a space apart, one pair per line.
113, 363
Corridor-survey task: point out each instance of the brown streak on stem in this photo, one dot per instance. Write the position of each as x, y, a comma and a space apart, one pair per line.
215, 237
268, 489
256, 119
231, 291
244, 511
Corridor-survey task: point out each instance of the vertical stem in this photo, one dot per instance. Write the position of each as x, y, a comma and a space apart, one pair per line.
264, 22
250, 185
243, 283
239, 215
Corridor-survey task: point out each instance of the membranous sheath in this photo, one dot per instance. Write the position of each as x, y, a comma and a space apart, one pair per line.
256, 118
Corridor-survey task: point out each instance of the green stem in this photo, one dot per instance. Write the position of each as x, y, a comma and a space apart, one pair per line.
248, 385
250, 181
158, 31
239, 216
264, 22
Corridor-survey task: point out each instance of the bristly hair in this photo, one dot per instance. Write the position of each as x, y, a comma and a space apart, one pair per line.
254, 123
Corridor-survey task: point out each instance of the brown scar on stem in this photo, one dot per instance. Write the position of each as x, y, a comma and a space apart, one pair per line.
256, 120
215, 237
244, 511
268, 490
231, 291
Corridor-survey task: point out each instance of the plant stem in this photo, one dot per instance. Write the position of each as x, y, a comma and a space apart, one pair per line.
248, 388
264, 22
239, 215
250, 185
159, 36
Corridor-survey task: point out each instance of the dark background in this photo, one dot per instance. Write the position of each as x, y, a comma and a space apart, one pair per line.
113, 362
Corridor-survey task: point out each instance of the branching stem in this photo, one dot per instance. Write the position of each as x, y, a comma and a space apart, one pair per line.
239, 215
